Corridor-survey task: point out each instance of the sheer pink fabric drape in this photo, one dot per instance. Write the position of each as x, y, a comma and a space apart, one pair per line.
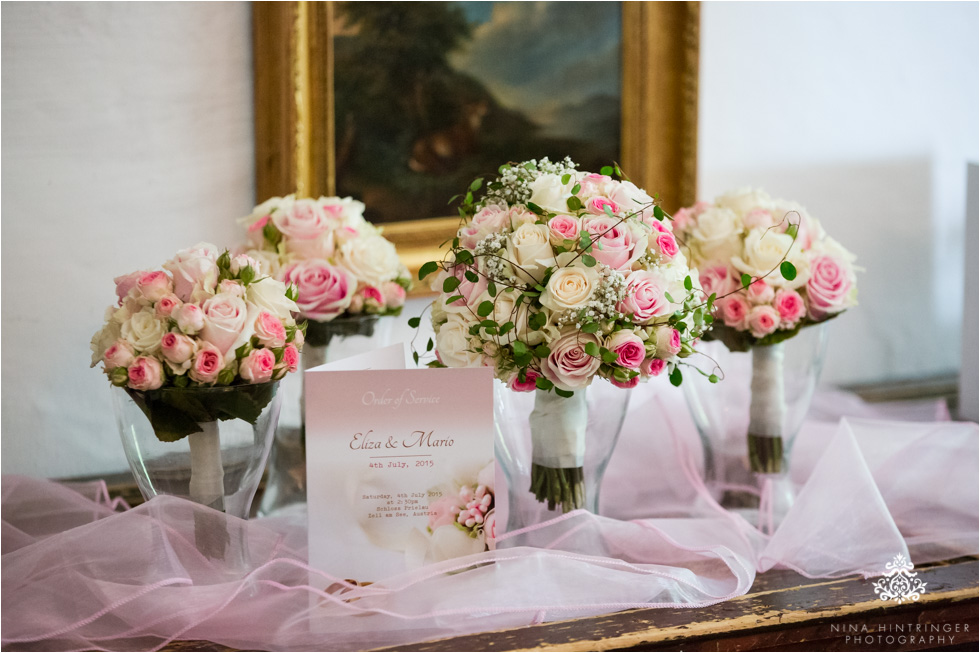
78, 572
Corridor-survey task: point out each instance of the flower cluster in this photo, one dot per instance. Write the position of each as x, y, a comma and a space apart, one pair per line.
207, 319
339, 262
462, 520
768, 264
557, 276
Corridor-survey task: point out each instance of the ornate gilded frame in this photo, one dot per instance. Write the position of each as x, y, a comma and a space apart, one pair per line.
294, 119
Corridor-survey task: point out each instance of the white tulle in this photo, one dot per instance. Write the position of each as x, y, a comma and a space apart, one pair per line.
80, 573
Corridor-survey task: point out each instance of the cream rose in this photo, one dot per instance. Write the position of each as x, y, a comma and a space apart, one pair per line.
144, 331
455, 344
549, 193
371, 259
268, 294
743, 200
570, 288
716, 237
529, 249
762, 253
568, 366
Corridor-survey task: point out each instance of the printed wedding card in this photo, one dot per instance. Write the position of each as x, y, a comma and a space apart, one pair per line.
383, 443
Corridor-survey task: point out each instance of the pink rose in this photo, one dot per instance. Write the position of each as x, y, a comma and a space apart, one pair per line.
667, 245
644, 298
597, 206
259, 224
290, 357
790, 306
165, 305
189, 317
394, 294
734, 311
591, 184
269, 330
119, 354
208, 364
653, 366
760, 292
618, 250
154, 285
684, 219
629, 348
488, 220
758, 218
145, 374
471, 291
325, 291
224, 319
568, 366
562, 228
125, 283
193, 267
668, 342
827, 288
443, 511
306, 229
258, 366
717, 280
231, 287
373, 297
626, 385
763, 320
529, 382
177, 348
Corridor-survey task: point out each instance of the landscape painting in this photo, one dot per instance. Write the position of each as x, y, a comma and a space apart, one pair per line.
429, 95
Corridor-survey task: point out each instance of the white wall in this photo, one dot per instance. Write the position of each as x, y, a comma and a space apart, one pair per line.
867, 114
127, 134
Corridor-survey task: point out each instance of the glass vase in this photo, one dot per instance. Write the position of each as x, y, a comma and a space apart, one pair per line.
554, 451
220, 464
748, 421
326, 342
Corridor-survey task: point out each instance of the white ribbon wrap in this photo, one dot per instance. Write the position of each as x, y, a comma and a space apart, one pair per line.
558, 430
768, 405
207, 485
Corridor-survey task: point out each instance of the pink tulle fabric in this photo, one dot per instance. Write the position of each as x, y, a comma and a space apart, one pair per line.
82, 572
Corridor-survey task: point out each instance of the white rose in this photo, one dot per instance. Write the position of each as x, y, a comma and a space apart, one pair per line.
549, 193
529, 249
763, 252
269, 294
269, 262
372, 259
570, 287
629, 197
144, 331
716, 236
455, 344
347, 210
743, 200
262, 210
105, 336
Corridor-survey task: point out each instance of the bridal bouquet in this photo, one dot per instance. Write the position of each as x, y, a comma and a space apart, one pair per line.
556, 277
339, 263
773, 270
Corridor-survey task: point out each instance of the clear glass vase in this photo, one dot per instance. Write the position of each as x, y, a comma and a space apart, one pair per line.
554, 451
749, 420
285, 485
220, 464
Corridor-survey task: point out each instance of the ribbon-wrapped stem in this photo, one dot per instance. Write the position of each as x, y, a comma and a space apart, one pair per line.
207, 485
767, 410
558, 450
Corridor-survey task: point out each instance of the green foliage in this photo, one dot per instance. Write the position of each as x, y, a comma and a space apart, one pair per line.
788, 270
484, 309
676, 378
427, 269
746, 280
450, 284
588, 260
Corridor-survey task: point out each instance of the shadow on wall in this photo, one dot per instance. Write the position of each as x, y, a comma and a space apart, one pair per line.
883, 212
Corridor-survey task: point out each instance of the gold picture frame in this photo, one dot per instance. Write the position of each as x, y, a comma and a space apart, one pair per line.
294, 112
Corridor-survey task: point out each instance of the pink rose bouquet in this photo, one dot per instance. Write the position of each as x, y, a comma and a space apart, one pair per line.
339, 263
206, 320
768, 270
558, 277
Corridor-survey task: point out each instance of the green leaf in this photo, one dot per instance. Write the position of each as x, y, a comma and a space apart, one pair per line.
746, 280
519, 348
475, 186
606, 170
688, 284
585, 241
453, 299
543, 384
542, 351
573, 203
669, 298
247, 275
565, 179
414, 322
450, 284
589, 260
534, 208
427, 269
658, 213
471, 276
475, 329
792, 230
590, 327
676, 378
508, 326
484, 309
429, 345
576, 188
537, 321
788, 270
564, 393
415, 357
463, 257
492, 289
609, 357
713, 378
592, 349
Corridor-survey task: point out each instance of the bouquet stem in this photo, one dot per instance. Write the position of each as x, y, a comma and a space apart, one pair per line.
767, 410
558, 450
207, 485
